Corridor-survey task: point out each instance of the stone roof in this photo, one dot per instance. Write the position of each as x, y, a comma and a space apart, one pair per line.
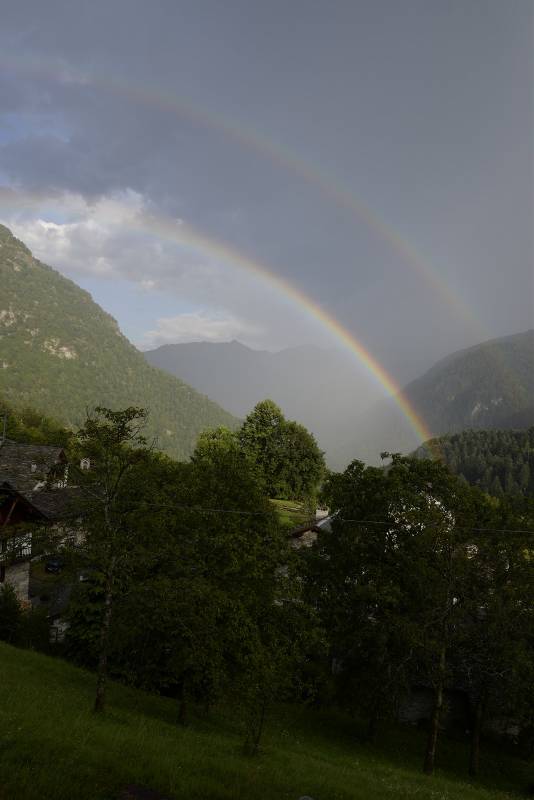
57, 504
52, 505
24, 466
316, 526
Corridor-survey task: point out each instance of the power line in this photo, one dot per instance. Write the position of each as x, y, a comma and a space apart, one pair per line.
363, 522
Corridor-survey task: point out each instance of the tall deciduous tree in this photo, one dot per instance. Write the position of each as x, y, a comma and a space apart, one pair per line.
390, 579
288, 455
117, 451
495, 648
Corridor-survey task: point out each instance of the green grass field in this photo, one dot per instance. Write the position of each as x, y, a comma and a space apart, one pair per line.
291, 512
52, 746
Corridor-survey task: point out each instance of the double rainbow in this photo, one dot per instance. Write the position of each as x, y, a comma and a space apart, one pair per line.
169, 229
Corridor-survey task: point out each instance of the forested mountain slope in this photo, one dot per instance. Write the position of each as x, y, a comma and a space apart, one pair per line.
31, 427
487, 386
481, 387
60, 353
495, 460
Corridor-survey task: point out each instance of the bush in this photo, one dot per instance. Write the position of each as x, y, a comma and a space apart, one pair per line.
10, 615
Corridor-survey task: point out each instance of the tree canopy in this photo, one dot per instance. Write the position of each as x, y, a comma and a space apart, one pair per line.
498, 461
287, 454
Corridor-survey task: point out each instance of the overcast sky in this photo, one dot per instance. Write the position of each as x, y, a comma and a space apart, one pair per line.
376, 154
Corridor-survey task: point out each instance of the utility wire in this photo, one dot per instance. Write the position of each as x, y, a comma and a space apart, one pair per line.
241, 512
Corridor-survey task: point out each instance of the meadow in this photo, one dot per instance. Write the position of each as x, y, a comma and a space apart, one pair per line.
53, 746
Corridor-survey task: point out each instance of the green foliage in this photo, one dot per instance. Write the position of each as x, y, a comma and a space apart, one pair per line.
84, 617
31, 427
287, 454
497, 623
113, 493
10, 615
212, 583
25, 627
34, 631
61, 354
497, 461
194, 564
410, 587
378, 576
194, 592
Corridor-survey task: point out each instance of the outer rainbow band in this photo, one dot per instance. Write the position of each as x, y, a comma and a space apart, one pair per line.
185, 236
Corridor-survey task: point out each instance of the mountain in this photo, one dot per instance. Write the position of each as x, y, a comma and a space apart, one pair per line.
319, 388
495, 460
490, 385
60, 354
482, 387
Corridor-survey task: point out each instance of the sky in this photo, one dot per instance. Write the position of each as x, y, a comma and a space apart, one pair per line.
187, 162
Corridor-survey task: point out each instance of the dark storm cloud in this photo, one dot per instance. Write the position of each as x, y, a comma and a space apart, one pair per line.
422, 110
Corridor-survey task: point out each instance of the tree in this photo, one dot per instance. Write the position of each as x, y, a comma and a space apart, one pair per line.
496, 620
287, 454
201, 621
117, 451
497, 653
304, 466
272, 669
355, 581
389, 580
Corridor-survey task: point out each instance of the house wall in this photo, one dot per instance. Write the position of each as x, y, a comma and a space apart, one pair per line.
306, 539
18, 576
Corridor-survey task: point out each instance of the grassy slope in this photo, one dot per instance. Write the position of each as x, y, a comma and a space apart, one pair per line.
291, 512
52, 746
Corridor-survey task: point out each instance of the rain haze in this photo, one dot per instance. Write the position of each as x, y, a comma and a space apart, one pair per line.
308, 167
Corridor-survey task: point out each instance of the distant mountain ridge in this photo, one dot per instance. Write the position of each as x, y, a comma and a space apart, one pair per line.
490, 385
60, 354
219, 366
319, 388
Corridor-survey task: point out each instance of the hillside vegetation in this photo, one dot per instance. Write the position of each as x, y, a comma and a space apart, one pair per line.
486, 386
28, 426
52, 745
489, 386
497, 461
60, 353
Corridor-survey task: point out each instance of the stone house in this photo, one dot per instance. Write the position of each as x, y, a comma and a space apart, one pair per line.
33, 490
306, 535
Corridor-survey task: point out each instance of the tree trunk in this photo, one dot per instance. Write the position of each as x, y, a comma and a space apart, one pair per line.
259, 730
182, 708
102, 669
432, 741
372, 726
474, 755
255, 730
